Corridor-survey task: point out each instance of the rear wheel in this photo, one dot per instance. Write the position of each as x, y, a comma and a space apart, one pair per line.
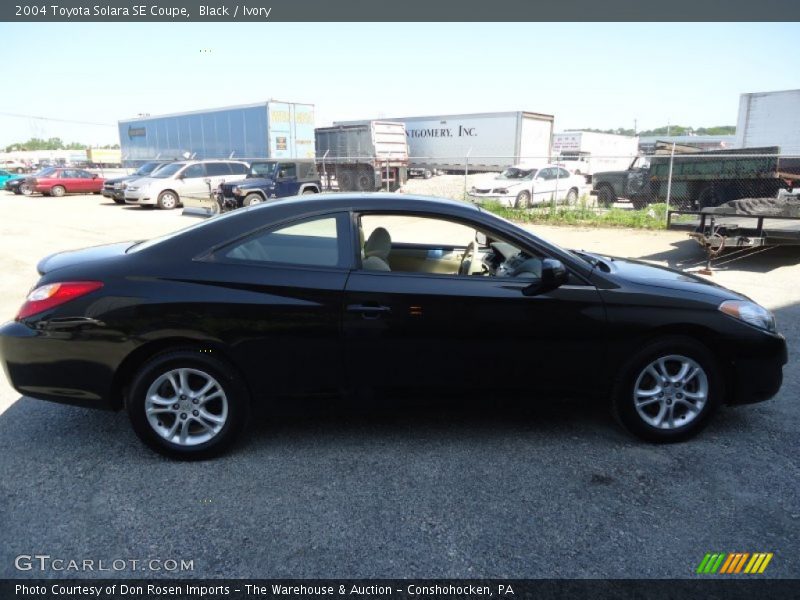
523, 199
572, 196
346, 180
57, 191
167, 200
427, 174
668, 391
187, 404
365, 180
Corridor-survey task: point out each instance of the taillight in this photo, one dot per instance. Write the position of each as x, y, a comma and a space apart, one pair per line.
54, 294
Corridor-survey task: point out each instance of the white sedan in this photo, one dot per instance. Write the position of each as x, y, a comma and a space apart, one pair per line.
523, 186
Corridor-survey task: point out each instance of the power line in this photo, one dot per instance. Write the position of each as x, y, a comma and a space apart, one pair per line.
8, 114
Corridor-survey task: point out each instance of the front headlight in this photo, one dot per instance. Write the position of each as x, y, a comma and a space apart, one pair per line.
749, 312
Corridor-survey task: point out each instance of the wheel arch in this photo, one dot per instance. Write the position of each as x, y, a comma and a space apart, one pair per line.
124, 374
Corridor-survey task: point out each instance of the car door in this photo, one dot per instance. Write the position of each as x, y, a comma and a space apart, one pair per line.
191, 181
286, 182
409, 329
87, 182
286, 283
544, 185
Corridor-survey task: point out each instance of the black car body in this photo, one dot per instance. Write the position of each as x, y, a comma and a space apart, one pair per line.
19, 186
115, 188
273, 313
271, 179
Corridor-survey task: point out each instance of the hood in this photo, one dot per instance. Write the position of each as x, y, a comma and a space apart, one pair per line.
639, 272
121, 179
143, 181
250, 182
67, 259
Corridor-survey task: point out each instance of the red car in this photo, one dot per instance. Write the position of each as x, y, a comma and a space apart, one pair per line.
66, 181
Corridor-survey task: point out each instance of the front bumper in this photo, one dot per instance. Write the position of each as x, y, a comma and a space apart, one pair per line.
755, 378
139, 197
507, 200
113, 194
57, 366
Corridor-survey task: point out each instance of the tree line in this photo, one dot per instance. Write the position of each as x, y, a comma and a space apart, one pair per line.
53, 143
670, 130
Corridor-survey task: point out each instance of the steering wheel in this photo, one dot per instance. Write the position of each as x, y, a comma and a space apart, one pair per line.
470, 266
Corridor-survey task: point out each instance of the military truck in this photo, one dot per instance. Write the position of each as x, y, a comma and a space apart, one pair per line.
364, 156
698, 179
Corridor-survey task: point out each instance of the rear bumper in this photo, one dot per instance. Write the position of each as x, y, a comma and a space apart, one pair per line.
56, 366
758, 378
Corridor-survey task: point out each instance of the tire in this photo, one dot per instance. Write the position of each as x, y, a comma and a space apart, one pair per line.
253, 198
523, 199
25, 190
639, 204
118, 201
309, 191
572, 196
20, 170
636, 382
427, 174
365, 180
346, 180
57, 190
606, 196
190, 428
707, 198
168, 200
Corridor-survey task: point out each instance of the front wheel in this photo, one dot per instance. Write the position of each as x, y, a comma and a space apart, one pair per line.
167, 200
187, 404
57, 191
523, 199
668, 391
606, 196
25, 189
252, 199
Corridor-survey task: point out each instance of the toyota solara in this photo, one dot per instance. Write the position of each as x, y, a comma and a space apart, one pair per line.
341, 293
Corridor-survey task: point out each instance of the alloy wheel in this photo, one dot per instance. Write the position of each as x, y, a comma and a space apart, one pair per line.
670, 392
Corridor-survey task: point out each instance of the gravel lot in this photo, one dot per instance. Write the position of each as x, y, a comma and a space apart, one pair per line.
506, 490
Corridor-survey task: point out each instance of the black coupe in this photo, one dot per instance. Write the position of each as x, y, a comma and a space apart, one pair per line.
340, 292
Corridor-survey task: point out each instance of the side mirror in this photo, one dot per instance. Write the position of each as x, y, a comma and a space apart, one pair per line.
480, 238
554, 275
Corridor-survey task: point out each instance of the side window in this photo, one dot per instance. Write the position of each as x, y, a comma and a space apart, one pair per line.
239, 168
308, 170
316, 242
562, 173
196, 170
217, 169
287, 170
68, 174
545, 173
84, 175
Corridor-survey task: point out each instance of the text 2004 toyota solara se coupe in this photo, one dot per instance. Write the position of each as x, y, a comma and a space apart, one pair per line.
341, 292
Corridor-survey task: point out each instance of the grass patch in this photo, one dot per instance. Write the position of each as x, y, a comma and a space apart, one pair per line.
652, 217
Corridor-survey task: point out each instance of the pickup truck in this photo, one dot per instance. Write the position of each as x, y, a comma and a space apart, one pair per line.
270, 179
699, 179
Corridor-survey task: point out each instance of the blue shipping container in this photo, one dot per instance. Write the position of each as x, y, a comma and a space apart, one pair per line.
266, 130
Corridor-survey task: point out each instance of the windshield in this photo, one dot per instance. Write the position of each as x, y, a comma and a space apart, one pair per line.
517, 173
45, 172
263, 169
167, 170
147, 168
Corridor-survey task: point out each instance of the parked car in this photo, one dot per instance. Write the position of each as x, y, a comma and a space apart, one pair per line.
171, 184
270, 179
18, 185
5, 176
14, 166
57, 182
190, 330
523, 186
115, 188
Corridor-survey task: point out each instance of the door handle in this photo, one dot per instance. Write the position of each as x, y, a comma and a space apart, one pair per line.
369, 311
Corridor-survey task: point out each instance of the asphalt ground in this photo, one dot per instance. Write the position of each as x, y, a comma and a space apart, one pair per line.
491, 487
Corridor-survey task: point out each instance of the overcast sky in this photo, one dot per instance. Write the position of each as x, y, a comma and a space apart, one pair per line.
586, 74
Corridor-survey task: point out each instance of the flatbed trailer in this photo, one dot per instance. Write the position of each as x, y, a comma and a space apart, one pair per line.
720, 231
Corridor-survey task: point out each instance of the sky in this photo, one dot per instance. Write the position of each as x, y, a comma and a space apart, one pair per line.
600, 75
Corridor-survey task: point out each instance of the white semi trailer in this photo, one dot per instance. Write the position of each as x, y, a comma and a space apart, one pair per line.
587, 152
481, 142
770, 119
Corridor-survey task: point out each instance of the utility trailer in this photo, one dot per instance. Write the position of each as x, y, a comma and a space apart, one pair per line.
364, 156
743, 224
696, 180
